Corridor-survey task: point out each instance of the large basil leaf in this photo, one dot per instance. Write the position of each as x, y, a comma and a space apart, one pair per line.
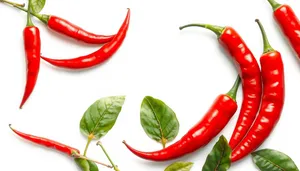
158, 120
272, 160
101, 116
86, 165
219, 158
37, 5
180, 166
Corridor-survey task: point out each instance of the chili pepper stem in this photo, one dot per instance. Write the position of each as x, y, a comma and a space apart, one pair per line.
111, 162
216, 29
274, 4
86, 158
42, 17
13, 3
232, 92
267, 46
90, 138
29, 21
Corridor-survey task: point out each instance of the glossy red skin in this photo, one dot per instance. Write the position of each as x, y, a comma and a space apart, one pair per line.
48, 143
101, 55
65, 27
290, 25
198, 136
272, 103
249, 72
32, 44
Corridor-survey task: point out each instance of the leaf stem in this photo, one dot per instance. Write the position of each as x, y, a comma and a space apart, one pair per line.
13, 3
90, 138
111, 162
164, 142
86, 158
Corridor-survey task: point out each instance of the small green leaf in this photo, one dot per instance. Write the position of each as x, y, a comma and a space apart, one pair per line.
158, 120
101, 116
219, 158
180, 166
37, 5
93, 166
86, 165
272, 160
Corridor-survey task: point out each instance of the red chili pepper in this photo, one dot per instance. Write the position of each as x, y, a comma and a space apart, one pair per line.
95, 58
289, 23
272, 101
32, 44
67, 28
48, 143
202, 133
249, 72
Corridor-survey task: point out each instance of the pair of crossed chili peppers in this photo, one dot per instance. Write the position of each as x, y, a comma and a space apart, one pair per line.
32, 44
263, 94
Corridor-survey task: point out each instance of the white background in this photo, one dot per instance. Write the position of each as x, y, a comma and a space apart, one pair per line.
186, 69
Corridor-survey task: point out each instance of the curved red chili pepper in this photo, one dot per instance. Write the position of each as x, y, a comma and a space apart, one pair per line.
47, 143
250, 74
32, 44
67, 28
272, 101
202, 133
289, 24
101, 55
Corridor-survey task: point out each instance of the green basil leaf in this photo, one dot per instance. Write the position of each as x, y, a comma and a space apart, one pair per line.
86, 165
272, 160
158, 120
37, 5
101, 116
219, 158
180, 166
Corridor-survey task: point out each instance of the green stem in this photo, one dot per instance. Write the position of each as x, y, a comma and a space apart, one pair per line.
232, 92
216, 29
275, 5
267, 47
13, 3
111, 162
164, 142
29, 21
90, 138
42, 17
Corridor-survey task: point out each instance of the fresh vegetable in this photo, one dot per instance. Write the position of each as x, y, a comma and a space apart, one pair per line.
100, 117
272, 101
249, 72
47, 143
70, 151
202, 133
288, 22
32, 44
273, 160
97, 57
158, 120
219, 157
67, 28
180, 166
